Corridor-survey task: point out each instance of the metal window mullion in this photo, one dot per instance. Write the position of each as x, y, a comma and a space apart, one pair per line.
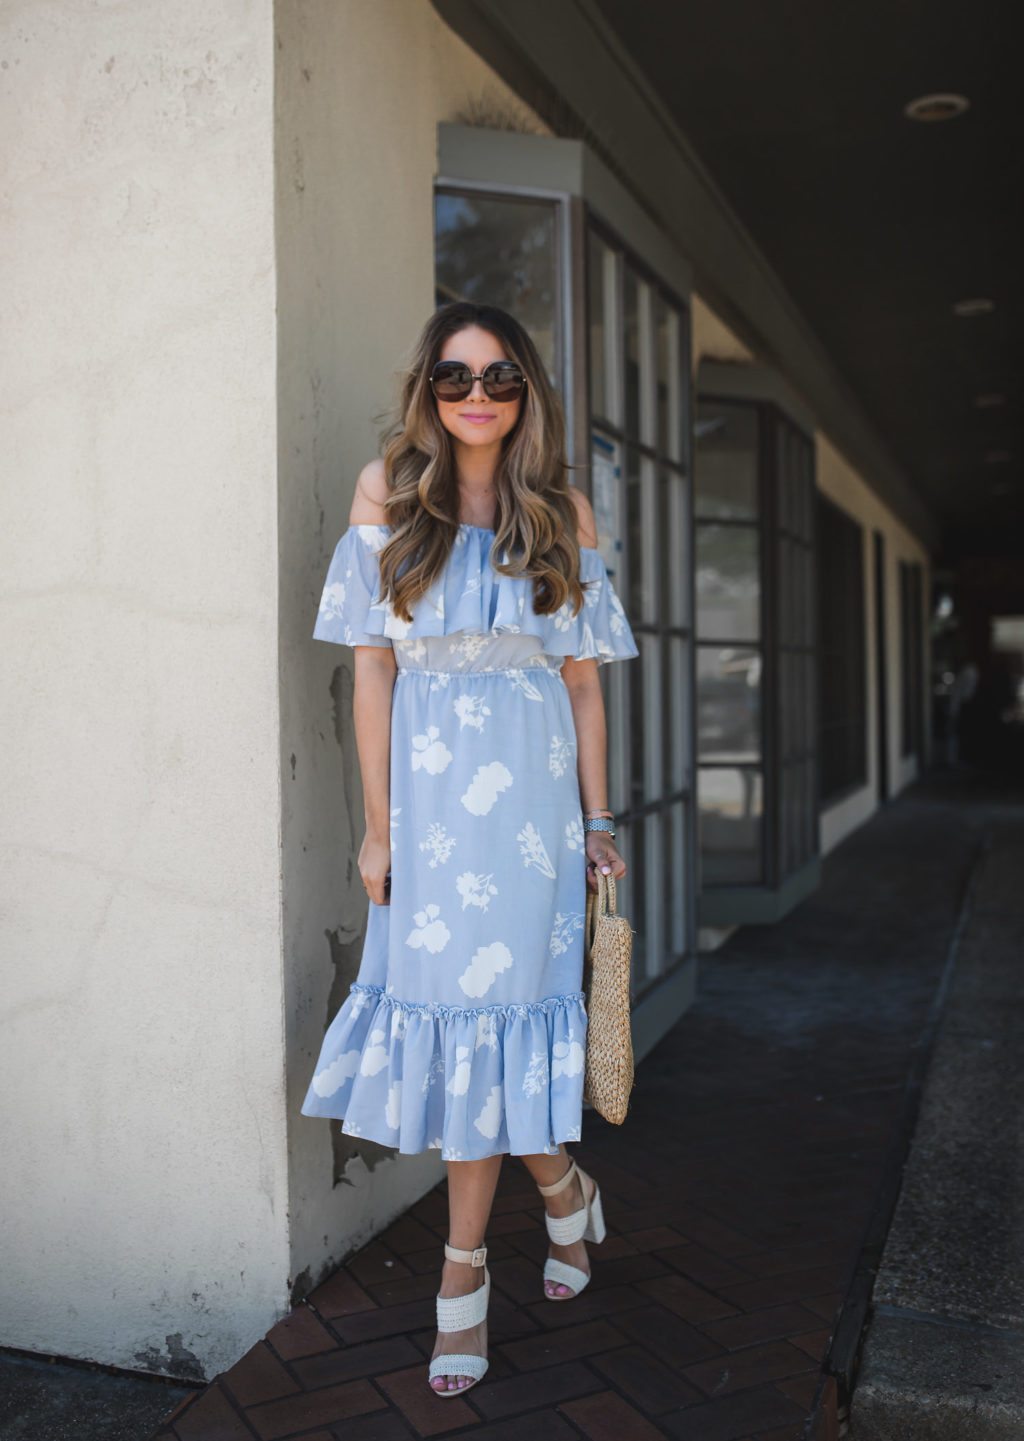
767, 508
647, 359
654, 865
614, 368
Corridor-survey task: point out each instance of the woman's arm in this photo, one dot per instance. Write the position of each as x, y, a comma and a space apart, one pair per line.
375, 673
587, 703
371, 711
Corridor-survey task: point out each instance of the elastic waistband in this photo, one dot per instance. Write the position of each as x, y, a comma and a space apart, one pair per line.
524, 670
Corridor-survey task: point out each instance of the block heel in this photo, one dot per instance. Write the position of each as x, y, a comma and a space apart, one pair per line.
586, 1224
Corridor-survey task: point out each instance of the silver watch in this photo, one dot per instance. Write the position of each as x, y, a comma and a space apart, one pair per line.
600, 823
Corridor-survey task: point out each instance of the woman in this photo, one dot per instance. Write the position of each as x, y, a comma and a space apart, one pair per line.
469, 585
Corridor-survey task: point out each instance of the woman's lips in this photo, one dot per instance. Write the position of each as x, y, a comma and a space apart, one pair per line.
475, 419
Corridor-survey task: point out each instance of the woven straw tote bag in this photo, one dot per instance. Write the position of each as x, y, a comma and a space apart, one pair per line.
607, 946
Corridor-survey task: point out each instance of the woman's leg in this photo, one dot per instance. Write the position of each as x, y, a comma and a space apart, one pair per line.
546, 1170
471, 1186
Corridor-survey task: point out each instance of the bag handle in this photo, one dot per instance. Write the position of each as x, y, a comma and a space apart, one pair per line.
599, 906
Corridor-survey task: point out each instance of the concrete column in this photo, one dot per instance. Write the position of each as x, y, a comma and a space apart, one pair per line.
144, 1181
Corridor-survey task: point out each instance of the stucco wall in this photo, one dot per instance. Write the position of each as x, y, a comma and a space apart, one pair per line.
143, 1177
361, 88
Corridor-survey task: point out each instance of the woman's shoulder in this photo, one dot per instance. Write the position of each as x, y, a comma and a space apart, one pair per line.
586, 526
371, 493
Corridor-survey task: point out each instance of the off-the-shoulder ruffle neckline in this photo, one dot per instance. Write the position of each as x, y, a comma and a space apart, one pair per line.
463, 525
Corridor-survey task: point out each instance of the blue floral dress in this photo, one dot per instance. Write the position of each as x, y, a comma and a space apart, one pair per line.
465, 1028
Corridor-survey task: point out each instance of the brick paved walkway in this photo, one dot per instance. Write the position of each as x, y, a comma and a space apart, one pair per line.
737, 1196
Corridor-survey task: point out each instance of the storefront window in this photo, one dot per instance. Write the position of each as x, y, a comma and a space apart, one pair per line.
756, 697
502, 251
637, 392
614, 334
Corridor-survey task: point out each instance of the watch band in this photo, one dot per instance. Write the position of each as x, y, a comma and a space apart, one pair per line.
600, 823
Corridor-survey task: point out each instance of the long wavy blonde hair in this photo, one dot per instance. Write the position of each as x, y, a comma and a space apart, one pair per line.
536, 517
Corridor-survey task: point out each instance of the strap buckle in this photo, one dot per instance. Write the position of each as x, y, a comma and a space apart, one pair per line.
479, 1256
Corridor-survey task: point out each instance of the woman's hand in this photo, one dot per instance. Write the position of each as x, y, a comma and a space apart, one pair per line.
375, 868
602, 855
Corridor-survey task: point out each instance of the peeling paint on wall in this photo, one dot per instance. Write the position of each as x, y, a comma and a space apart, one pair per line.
178, 1361
346, 952
303, 1284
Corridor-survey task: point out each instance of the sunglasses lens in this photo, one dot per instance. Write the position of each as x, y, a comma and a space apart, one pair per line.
503, 381
451, 380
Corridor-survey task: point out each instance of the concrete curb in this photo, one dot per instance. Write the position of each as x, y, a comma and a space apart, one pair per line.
944, 1356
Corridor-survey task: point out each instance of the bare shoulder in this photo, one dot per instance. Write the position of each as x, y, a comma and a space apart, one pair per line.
586, 526
371, 493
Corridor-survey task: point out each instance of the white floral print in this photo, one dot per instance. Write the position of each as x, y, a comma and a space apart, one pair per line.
391, 1110
439, 843
536, 1076
487, 784
522, 682
487, 964
467, 647
334, 1076
559, 755
563, 931
333, 603
475, 890
375, 1057
486, 1031
429, 753
459, 1083
568, 1058
471, 710
464, 1029
534, 851
488, 1123
434, 1073
429, 931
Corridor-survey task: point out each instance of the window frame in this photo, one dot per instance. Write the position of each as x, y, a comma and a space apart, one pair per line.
780, 885
566, 172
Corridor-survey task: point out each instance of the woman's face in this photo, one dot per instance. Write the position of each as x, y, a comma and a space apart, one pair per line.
477, 421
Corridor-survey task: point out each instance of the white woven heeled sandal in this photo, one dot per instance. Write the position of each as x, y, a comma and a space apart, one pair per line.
459, 1313
586, 1224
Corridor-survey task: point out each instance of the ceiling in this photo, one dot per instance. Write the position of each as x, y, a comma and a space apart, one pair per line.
876, 224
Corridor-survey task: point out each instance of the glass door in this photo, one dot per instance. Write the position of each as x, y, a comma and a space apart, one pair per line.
637, 344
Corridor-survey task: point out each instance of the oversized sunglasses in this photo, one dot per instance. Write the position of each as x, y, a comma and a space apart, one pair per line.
452, 380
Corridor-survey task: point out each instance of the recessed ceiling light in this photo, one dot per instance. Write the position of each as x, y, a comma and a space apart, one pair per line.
989, 399
976, 305
936, 107
997, 457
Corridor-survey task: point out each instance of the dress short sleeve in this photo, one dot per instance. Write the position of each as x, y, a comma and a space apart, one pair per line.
601, 631
350, 612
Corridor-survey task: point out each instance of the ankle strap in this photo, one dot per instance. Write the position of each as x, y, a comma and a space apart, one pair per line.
559, 1185
469, 1258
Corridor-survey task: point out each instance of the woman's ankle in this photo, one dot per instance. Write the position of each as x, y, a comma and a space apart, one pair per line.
458, 1278
566, 1202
